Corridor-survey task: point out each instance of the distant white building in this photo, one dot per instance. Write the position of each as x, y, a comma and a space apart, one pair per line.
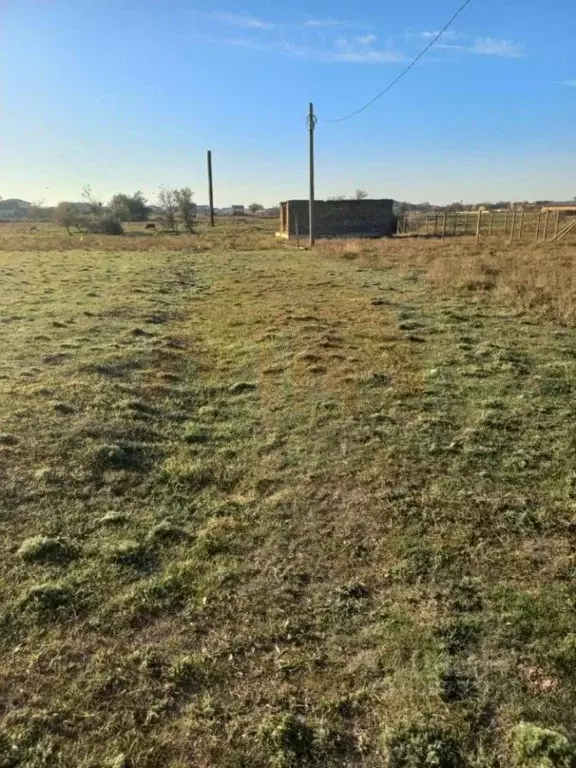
13, 209
238, 210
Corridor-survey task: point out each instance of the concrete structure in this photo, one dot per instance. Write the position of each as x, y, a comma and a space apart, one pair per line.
338, 218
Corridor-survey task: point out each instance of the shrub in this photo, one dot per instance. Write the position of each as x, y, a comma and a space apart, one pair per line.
103, 224
169, 205
186, 207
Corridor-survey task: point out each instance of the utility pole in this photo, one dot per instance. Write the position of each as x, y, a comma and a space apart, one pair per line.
311, 122
210, 188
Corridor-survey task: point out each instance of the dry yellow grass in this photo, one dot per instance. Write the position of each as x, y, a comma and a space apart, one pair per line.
536, 277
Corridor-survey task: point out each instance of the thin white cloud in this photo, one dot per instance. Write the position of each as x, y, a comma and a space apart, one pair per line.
435, 32
489, 46
367, 39
315, 23
243, 21
345, 50
452, 40
569, 83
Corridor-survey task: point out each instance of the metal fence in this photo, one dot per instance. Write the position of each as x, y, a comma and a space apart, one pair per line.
539, 226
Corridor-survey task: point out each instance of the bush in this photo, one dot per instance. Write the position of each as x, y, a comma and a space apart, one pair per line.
106, 225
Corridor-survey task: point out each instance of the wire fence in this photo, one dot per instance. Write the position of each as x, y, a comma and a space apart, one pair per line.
546, 225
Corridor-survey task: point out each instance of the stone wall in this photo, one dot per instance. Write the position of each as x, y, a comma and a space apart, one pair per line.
339, 218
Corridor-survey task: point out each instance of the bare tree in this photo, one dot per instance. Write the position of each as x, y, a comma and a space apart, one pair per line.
169, 205
360, 194
186, 207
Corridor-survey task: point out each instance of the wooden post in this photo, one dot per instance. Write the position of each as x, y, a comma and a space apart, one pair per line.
478, 226
538, 224
466, 223
311, 127
546, 219
513, 227
505, 223
444, 225
296, 224
556, 223
455, 223
490, 224
521, 224
435, 225
210, 188
427, 220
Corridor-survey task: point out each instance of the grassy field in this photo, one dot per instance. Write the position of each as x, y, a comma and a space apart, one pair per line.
270, 507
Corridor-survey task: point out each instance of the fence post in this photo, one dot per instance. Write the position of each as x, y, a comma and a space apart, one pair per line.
455, 223
444, 225
435, 225
490, 224
538, 224
478, 221
513, 227
505, 223
557, 222
546, 219
521, 224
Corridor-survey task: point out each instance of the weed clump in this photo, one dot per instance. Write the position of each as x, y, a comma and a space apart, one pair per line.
43, 549
417, 746
289, 739
536, 747
166, 531
50, 599
114, 457
216, 537
127, 552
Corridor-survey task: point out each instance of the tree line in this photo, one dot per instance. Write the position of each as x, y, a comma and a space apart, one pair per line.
176, 209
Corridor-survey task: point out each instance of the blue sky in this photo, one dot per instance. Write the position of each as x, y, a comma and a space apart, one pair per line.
127, 94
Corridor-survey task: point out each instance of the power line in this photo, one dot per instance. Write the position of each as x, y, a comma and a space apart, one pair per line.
412, 64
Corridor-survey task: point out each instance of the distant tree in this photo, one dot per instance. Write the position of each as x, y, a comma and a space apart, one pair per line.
337, 197
255, 207
169, 206
130, 207
91, 200
186, 207
38, 212
66, 216
360, 194
120, 209
99, 220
